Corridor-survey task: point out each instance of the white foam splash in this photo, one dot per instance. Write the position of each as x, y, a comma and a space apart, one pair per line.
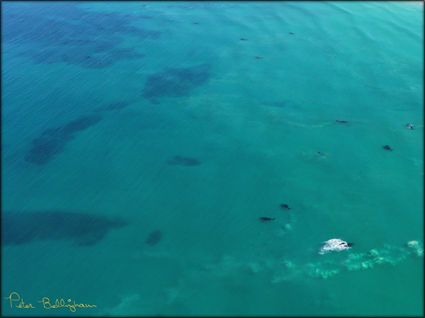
286, 269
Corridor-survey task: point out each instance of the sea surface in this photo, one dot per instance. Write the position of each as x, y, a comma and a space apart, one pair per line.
142, 142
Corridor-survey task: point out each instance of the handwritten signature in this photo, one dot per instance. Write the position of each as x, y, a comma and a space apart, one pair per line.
16, 301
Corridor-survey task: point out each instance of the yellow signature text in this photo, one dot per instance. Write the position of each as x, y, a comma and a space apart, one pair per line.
16, 301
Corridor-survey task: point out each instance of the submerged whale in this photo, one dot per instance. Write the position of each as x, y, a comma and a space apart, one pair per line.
154, 238
266, 219
83, 229
341, 121
285, 206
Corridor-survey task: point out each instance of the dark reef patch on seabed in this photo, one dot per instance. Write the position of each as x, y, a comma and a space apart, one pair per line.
67, 33
183, 161
52, 141
175, 82
154, 238
82, 229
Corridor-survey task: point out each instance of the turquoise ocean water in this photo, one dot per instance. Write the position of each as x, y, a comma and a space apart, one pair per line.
142, 141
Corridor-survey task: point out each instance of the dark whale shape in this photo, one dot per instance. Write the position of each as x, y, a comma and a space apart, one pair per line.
74, 126
266, 219
285, 206
83, 229
183, 161
387, 147
341, 121
154, 238
52, 141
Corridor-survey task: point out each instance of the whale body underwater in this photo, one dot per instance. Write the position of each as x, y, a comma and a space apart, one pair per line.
82, 229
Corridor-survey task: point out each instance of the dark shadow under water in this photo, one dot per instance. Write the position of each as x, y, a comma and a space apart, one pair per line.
154, 238
68, 33
175, 82
183, 161
52, 141
82, 229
